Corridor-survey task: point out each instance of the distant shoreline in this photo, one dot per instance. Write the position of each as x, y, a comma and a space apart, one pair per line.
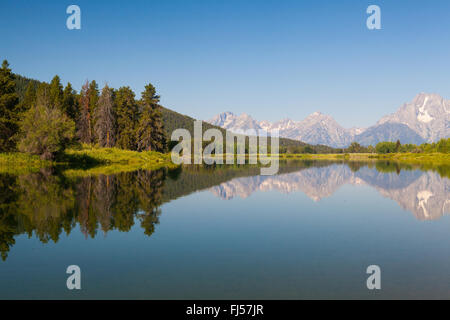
92, 160
398, 156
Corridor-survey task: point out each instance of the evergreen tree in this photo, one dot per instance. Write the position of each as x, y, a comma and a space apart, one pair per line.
22, 84
70, 105
56, 93
105, 119
397, 146
127, 112
93, 103
29, 99
84, 119
8, 103
150, 132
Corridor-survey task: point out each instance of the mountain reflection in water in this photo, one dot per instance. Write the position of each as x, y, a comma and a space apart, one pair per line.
425, 194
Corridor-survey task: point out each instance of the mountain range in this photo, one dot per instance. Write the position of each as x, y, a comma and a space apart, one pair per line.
425, 119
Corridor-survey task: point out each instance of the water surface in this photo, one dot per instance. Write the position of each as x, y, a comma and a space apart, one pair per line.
213, 233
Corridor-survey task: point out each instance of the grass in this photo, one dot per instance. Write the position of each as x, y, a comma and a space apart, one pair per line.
93, 161
408, 157
87, 160
107, 156
90, 160
435, 157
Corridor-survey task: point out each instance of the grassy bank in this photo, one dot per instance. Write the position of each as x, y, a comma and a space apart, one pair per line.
87, 160
407, 157
417, 157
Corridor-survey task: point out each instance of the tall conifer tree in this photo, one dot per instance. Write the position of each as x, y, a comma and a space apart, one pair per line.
56, 93
70, 105
127, 112
93, 102
8, 102
84, 131
150, 132
105, 119
29, 99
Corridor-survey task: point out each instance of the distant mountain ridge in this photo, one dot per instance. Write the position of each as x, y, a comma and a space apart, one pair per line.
425, 119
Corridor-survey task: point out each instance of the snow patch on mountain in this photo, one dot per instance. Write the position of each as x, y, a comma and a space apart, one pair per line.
423, 113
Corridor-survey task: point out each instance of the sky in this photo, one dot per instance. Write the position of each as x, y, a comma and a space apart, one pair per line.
272, 59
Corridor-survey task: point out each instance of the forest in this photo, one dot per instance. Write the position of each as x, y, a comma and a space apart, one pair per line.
44, 119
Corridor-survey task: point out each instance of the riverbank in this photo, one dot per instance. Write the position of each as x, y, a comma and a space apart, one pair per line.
87, 159
407, 157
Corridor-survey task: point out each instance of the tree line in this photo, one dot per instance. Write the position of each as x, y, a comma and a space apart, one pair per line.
443, 146
49, 117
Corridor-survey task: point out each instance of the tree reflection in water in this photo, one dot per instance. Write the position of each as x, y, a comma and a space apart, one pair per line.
47, 204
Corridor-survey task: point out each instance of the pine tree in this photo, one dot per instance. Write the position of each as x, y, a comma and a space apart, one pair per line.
29, 99
127, 112
150, 132
144, 132
93, 103
70, 106
397, 146
105, 119
84, 131
8, 102
56, 93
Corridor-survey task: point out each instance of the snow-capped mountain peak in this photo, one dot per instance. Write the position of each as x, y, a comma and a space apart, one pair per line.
425, 118
234, 123
427, 114
316, 114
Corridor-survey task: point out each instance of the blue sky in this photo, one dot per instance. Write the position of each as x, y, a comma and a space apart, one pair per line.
271, 59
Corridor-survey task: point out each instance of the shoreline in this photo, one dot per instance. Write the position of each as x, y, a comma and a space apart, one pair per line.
87, 160
92, 160
436, 157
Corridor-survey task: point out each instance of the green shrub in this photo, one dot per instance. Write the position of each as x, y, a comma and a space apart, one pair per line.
386, 147
46, 132
443, 145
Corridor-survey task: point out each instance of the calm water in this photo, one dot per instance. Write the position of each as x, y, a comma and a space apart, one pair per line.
212, 233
